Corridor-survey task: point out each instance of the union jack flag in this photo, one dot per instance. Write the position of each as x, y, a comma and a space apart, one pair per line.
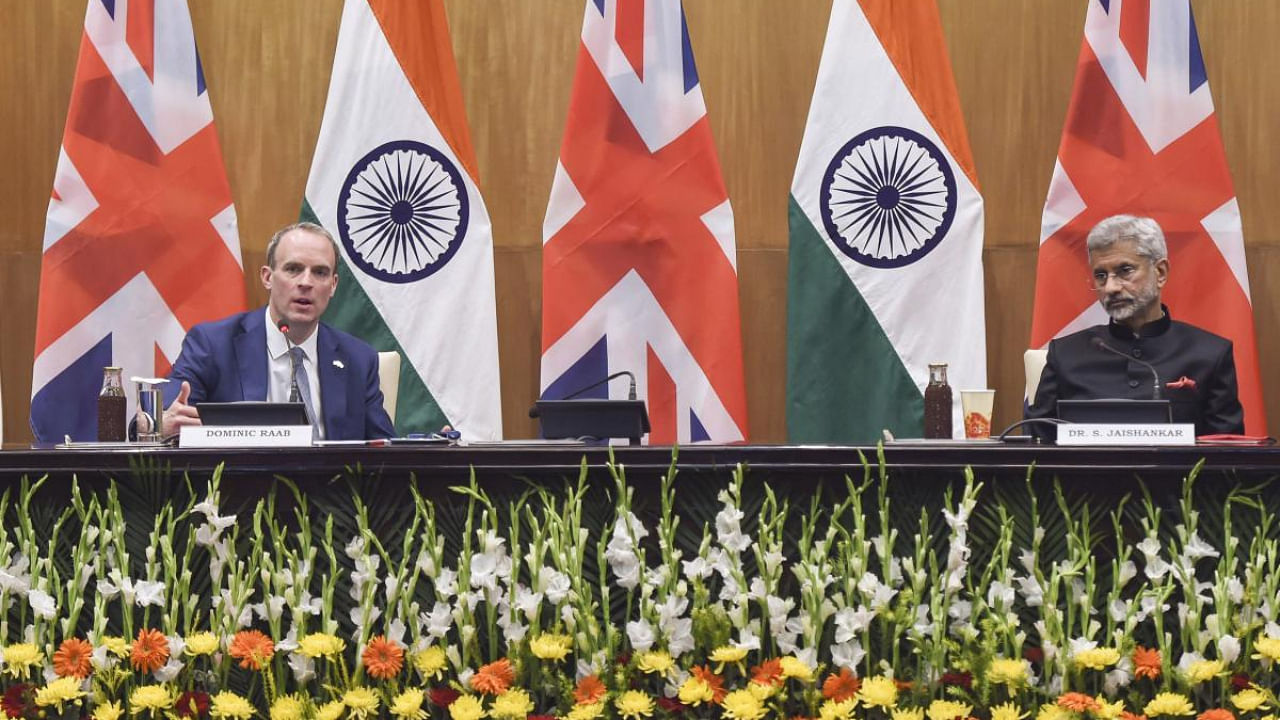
140, 241
639, 266
1141, 137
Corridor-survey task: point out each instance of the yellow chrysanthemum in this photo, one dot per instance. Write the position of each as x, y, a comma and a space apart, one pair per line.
794, 667
513, 704
227, 704
466, 707
633, 705
1006, 671
742, 705
1250, 699
1268, 648
842, 710
59, 692
431, 662
288, 707
331, 710
149, 697
1204, 671
948, 710
1096, 658
696, 691
1107, 710
108, 711
361, 701
202, 643
655, 661
1054, 711
585, 711
115, 645
728, 654
762, 691
321, 645
878, 691
1167, 703
549, 646
1006, 711
408, 705
20, 656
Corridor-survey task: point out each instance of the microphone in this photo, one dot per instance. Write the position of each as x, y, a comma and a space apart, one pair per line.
631, 389
1098, 343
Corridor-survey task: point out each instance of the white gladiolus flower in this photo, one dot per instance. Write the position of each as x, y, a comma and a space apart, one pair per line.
169, 670
446, 583
42, 603
438, 621
303, 667
850, 622
697, 568
555, 584
847, 654
1128, 571
1197, 549
679, 634
528, 602
1228, 649
641, 635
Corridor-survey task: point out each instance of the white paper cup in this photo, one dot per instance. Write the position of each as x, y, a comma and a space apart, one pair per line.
976, 406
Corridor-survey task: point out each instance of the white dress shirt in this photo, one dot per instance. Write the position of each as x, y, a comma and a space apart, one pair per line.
280, 370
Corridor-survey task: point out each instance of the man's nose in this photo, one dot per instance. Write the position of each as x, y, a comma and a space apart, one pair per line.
1113, 284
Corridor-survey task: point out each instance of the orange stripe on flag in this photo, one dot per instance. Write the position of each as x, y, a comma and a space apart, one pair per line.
418, 33
911, 35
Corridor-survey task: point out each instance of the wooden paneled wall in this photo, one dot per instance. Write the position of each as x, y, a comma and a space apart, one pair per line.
267, 63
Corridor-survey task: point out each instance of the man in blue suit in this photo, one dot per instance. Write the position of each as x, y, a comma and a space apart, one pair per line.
283, 351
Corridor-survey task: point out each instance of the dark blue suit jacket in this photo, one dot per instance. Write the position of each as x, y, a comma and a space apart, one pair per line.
226, 361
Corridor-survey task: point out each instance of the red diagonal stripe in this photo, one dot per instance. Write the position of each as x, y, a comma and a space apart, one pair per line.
629, 32
1135, 30
140, 34
660, 397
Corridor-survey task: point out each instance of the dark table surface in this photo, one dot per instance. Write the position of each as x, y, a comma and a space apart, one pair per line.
531, 458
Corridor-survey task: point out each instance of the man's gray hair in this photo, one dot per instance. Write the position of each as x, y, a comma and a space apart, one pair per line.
307, 226
1144, 232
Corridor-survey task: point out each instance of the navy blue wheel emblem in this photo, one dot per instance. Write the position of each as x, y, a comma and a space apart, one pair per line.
888, 197
402, 212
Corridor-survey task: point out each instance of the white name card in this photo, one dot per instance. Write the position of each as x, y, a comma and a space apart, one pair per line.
1127, 434
243, 436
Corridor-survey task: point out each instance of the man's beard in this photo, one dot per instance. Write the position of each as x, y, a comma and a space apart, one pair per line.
1122, 305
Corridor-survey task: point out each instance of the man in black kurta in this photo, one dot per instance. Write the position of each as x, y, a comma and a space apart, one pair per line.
1196, 368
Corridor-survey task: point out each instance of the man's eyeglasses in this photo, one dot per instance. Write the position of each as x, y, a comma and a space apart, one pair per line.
1125, 274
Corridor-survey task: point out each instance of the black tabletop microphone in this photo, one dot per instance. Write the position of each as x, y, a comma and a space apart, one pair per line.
631, 390
1098, 343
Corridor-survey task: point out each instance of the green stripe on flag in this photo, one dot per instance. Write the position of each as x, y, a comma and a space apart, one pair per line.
352, 311
845, 381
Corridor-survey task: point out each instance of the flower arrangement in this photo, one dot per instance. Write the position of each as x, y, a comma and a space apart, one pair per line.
544, 607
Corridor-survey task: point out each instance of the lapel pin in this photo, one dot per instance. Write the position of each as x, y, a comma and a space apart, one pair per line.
338, 364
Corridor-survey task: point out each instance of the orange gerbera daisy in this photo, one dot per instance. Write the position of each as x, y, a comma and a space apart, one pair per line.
383, 658
1126, 715
840, 686
1146, 663
150, 651
494, 678
768, 672
589, 690
715, 681
1216, 714
251, 648
1078, 702
72, 658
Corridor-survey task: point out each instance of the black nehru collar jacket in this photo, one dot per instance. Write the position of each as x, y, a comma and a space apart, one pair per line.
1197, 373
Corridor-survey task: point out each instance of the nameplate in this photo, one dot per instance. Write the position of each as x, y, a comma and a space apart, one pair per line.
244, 436
1127, 434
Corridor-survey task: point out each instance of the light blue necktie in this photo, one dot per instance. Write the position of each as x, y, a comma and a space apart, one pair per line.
300, 386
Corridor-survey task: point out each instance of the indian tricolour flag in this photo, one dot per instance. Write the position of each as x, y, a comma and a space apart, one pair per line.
886, 232
394, 180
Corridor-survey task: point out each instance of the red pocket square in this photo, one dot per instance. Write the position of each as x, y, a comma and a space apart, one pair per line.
1182, 382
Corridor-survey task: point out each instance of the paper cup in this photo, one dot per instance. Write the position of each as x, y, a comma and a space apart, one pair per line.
977, 405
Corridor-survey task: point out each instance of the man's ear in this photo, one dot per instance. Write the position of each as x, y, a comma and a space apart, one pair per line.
1162, 272
265, 273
